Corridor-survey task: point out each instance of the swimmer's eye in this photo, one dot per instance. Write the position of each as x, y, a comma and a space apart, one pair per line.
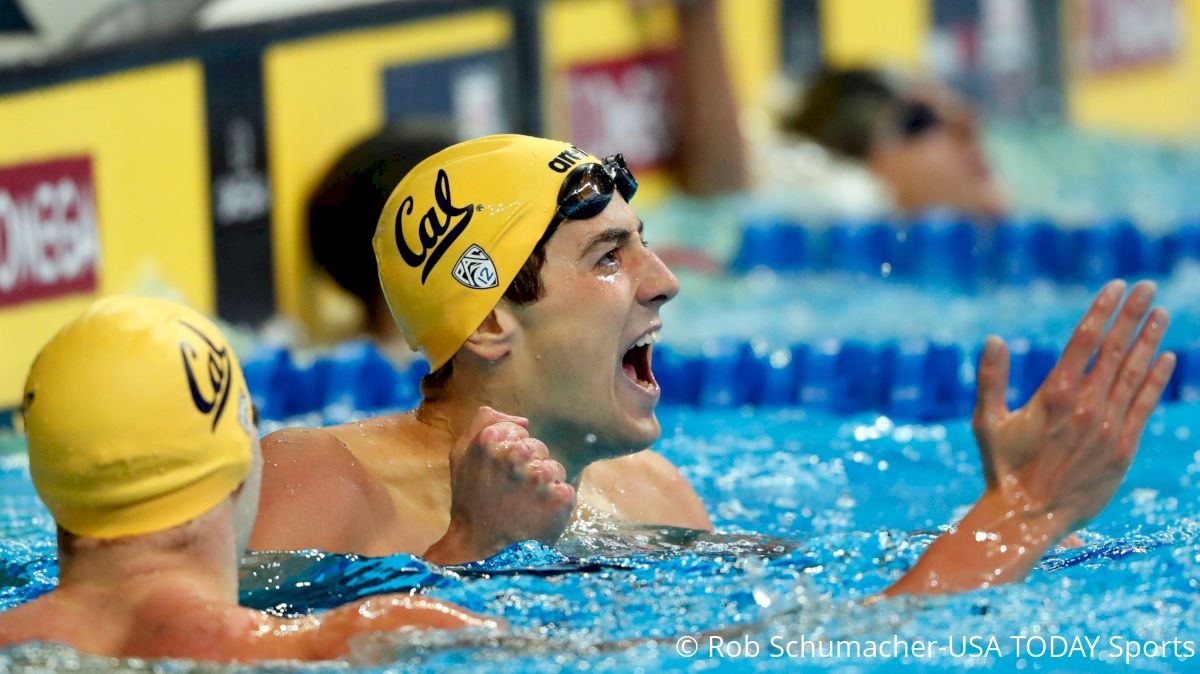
609, 260
254, 418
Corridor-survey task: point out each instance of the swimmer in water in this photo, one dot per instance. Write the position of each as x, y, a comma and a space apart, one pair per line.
143, 447
518, 267
916, 136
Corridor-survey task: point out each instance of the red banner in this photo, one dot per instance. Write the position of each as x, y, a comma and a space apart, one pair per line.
1121, 34
627, 105
48, 235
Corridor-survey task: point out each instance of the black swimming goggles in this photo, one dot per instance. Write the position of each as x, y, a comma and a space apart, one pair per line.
916, 118
589, 187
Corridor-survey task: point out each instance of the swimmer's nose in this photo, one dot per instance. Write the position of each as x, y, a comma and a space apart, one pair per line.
658, 284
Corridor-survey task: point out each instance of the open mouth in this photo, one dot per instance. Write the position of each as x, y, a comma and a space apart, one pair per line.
636, 362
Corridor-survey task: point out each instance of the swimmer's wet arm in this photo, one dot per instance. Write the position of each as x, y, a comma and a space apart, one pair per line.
237, 634
12, 629
327, 635
1052, 465
998, 541
316, 495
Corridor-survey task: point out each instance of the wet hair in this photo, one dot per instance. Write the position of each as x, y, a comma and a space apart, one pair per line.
841, 107
526, 288
345, 207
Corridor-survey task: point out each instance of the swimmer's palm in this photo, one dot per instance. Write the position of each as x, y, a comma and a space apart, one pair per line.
1066, 451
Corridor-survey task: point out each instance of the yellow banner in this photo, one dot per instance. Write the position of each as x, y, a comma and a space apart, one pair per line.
143, 134
322, 95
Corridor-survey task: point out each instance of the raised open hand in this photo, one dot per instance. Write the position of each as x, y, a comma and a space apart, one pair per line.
504, 488
1056, 462
1065, 453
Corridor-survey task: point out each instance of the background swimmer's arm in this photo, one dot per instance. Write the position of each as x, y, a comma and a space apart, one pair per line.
1054, 464
712, 148
315, 494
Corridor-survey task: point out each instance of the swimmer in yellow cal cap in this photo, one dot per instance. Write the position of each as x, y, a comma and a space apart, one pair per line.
143, 446
518, 267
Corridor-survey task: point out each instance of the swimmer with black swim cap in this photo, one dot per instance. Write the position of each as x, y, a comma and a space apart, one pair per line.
143, 447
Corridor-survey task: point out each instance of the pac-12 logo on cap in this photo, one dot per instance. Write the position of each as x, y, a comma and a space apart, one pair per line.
476, 270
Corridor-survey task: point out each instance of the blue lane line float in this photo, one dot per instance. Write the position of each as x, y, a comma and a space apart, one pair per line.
1020, 251
1052, 250
354, 376
939, 249
678, 375
860, 246
720, 373
942, 248
927, 382
1186, 380
772, 243
361, 378
782, 369
260, 370
1181, 245
911, 379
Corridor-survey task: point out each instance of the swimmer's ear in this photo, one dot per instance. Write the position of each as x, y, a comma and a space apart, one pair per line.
493, 339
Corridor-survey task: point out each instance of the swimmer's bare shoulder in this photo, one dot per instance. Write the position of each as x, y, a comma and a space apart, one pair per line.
644, 488
317, 494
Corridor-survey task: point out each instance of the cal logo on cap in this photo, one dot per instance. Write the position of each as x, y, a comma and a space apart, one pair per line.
434, 234
159, 447
436, 215
217, 364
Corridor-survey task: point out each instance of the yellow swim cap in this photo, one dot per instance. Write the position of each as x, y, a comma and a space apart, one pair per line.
138, 419
458, 228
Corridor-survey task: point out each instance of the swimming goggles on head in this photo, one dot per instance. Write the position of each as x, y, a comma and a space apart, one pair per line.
587, 189
917, 118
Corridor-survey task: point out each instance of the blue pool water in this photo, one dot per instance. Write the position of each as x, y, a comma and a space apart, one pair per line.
853, 501
811, 306
817, 513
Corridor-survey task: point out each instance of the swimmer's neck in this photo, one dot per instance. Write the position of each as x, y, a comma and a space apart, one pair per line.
199, 555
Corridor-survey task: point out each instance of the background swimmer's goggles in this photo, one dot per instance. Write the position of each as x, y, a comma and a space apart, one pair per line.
587, 189
916, 119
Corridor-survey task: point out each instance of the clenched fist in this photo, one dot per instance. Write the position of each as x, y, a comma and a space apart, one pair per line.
504, 488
